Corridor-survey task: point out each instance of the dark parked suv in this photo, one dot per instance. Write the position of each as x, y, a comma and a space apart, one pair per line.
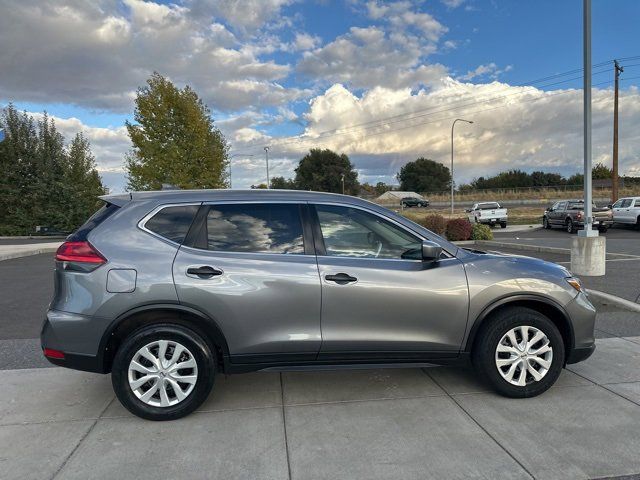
414, 202
166, 289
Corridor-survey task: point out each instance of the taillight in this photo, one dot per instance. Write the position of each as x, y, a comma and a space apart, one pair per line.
82, 252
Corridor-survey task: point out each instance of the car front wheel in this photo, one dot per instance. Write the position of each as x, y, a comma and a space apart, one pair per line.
163, 372
520, 352
569, 226
545, 223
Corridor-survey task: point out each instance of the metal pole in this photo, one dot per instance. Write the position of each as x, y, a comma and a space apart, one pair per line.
452, 185
343, 183
266, 153
588, 211
230, 157
614, 174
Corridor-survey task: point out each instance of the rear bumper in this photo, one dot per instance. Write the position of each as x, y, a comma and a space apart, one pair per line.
80, 353
489, 221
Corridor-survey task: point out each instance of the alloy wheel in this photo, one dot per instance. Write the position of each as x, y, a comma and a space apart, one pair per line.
162, 373
523, 355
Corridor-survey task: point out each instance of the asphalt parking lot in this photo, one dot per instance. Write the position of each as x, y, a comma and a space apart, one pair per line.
436, 422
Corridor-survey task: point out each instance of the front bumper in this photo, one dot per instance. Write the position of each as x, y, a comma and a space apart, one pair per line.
582, 315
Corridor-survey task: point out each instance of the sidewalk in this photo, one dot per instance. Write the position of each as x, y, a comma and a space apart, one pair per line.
8, 252
359, 424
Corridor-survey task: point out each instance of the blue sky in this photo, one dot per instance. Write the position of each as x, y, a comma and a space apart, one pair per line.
281, 72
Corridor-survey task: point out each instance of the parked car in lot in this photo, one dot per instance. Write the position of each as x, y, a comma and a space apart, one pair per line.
407, 202
627, 210
166, 289
569, 214
489, 213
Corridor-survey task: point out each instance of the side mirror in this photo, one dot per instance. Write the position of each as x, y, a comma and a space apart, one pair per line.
430, 251
550, 209
468, 210
609, 206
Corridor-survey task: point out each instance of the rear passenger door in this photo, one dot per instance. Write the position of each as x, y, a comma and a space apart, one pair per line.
252, 268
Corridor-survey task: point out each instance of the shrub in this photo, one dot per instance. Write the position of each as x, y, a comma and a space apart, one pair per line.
434, 222
458, 229
481, 232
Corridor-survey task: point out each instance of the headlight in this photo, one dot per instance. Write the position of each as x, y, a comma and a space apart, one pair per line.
575, 283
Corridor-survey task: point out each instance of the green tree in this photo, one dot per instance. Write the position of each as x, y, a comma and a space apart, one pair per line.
322, 170
174, 140
281, 183
601, 172
41, 181
424, 175
84, 182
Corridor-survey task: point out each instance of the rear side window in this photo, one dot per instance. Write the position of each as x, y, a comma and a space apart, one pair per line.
488, 206
255, 228
173, 222
96, 219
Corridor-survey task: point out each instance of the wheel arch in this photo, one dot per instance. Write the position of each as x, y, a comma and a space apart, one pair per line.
544, 305
146, 315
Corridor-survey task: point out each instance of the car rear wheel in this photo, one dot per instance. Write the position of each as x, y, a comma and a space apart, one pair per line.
163, 372
569, 226
603, 229
503, 225
520, 353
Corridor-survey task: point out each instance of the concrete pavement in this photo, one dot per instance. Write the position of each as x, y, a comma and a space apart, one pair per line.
435, 422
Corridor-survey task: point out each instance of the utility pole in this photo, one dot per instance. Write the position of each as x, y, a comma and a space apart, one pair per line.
343, 183
614, 174
266, 154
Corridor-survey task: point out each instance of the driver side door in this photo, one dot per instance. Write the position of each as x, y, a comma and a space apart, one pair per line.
380, 301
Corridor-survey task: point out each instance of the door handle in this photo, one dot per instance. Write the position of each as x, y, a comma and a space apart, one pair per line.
204, 272
340, 278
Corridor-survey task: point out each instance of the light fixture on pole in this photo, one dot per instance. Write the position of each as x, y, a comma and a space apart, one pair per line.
266, 154
452, 184
230, 157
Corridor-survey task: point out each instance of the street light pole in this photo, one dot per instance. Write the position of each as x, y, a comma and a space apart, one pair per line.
343, 183
266, 153
588, 211
230, 157
452, 187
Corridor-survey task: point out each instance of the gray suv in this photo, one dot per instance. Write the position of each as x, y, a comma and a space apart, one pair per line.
166, 289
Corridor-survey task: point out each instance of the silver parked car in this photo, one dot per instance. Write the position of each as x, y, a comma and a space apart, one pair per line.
166, 289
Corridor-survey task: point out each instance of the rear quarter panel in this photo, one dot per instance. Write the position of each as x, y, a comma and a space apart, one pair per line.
125, 246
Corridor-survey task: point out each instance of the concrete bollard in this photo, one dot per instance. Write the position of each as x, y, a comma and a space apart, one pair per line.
588, 256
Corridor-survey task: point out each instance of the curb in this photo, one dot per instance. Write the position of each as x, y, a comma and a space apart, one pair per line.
619, 302
27, 253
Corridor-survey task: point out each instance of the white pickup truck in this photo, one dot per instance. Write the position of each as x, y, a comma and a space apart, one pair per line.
489, 213
627, 210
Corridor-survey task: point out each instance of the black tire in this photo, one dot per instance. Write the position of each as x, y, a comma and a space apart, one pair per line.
603, 229
545, 223
503, 225
196, 345
569, 226
484, 351
638, 223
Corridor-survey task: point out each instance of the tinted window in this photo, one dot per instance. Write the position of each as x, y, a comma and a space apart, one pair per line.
96, 219
561, 206
351, 232
488, 206
172, 223
617, 204
626, 203
257, 228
